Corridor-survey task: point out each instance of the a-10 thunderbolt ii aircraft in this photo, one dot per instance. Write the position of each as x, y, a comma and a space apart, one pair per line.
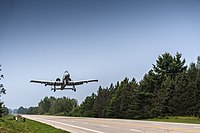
66, 81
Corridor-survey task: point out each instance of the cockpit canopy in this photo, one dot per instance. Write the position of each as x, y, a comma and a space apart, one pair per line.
66, 72
66, 75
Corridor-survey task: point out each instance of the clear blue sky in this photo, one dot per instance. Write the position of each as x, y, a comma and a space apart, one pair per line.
106, 40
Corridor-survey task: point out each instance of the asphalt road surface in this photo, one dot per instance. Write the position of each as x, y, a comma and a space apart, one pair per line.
100, 125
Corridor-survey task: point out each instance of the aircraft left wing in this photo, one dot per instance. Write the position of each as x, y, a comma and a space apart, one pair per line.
56, 83
80, 82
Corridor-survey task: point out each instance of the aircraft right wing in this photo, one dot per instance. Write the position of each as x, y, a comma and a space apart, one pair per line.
80, 82
56, 83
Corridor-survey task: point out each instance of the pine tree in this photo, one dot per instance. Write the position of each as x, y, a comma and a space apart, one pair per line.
158, 84
2, 91
198, 62
87, 107
1, 109
114, 102
101, 102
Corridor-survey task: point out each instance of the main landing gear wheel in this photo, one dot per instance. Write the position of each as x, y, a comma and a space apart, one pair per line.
74, 89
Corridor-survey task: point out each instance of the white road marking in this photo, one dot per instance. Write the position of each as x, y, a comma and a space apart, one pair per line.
154, 125
158, 124
134, 130
104, 125
143, 121
83, 128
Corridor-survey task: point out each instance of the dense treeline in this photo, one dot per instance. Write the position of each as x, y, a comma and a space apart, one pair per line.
170, 88
115, 101
51, 105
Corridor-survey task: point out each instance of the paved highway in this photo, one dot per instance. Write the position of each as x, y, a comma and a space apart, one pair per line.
100, 125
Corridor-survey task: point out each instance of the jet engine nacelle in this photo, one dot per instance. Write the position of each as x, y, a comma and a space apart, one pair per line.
58, 79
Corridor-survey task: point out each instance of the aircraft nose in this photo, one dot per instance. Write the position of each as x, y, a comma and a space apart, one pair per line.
66, 72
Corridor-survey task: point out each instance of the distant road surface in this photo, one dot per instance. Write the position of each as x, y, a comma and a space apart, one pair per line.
101, 125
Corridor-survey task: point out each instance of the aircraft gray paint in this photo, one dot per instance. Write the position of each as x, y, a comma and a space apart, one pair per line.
66, 81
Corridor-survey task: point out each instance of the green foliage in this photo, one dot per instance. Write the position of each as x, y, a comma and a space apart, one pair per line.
2, 91
1, 109
6, 110
44, 106
177, 119
198, 62
62, 105
168, 89
122, 102
187, 92
51, 105
9, 125
76, 111
22, 110
101, 101
32, 110
169, 66
87, 107
159, 83
142, 105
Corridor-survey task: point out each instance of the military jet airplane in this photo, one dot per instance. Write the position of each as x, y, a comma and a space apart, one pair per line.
66, 81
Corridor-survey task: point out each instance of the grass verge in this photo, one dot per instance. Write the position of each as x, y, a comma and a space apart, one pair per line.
9, 125
177, 119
